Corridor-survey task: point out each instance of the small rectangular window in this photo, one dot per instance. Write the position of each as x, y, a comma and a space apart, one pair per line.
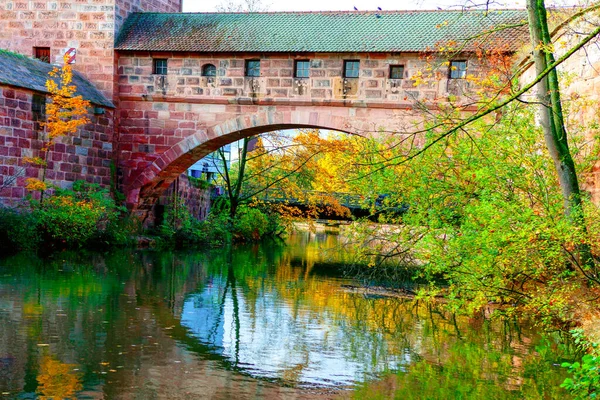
42, 53
253, 68
458, 69
396, 71
38, 109
302, 69
159, 66
351, 68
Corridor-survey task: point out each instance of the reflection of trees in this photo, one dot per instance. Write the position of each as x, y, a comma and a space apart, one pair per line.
120, 313
57, 380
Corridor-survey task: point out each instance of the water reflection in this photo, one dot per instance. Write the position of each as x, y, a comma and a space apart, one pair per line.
252, 322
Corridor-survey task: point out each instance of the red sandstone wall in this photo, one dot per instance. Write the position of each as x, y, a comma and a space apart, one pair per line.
89, 26
185, 80
86, 25
126, 7
196, 200
86, 156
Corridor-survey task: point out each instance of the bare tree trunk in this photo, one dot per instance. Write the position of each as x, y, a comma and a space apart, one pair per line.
234, 188
552, 121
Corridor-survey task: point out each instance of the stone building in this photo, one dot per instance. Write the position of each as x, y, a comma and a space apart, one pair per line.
176, 86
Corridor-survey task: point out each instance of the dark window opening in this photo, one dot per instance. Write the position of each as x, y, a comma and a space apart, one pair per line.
396, 71
159, 66
42, 53
301, 69
458, 69
351, 68
38, 109
253, 68
209, 70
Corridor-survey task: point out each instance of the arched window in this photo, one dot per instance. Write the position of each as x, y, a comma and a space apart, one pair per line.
209, 70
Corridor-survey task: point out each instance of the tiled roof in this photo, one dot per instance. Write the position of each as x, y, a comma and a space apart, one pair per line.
387, 31
18, 70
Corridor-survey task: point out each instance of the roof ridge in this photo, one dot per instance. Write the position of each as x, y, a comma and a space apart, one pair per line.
331, 12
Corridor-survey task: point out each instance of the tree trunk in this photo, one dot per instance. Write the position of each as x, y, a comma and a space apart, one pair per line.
552, 121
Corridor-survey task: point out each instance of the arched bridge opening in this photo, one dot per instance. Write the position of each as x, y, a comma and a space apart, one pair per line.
148, 176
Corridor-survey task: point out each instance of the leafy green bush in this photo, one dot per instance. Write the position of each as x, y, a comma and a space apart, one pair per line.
250, 224
72, 217
84, 215
199, 182
585, 380
180, 228
18, 230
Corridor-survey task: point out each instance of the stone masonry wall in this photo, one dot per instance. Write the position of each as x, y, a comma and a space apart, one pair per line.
277, 81
86, 156
196, 200
88, 26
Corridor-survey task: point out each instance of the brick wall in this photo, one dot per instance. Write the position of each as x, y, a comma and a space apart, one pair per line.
86, 25
86, 156
126, 7
277, 81
89, 26
195, 199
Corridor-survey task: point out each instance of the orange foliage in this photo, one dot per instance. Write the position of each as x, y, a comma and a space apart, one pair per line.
64, 115
57, 380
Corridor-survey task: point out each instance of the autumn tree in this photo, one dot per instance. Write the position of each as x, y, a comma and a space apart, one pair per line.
290, 165
65, 114
496, 213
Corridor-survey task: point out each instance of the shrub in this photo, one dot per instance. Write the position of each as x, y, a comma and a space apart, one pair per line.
180, 228
250, 224
18, 230
585, 381
70, 218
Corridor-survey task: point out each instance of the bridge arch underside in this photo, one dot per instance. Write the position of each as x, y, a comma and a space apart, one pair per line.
204, 129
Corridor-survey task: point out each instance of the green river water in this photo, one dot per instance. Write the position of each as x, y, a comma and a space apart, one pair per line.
273, 321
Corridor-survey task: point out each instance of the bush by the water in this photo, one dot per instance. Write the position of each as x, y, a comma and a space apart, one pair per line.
180, 228
85, 215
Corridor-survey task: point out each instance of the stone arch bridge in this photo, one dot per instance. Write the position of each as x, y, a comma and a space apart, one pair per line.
188, 84
150, 173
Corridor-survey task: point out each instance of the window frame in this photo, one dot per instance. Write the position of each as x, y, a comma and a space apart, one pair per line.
296, 69
396, 66
213, 69
160, 69
38, 111
457, 73
248, 69
37, 54
346, 69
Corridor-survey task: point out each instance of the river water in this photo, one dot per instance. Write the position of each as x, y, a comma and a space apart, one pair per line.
273, 321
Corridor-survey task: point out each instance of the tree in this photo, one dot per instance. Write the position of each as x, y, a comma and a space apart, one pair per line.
496, 213
65, 114
242, 6
292, 165
553, 123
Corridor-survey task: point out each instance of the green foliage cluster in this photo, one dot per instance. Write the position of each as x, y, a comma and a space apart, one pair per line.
485, 222
585, 380
84, 216
180, 228
199, 182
